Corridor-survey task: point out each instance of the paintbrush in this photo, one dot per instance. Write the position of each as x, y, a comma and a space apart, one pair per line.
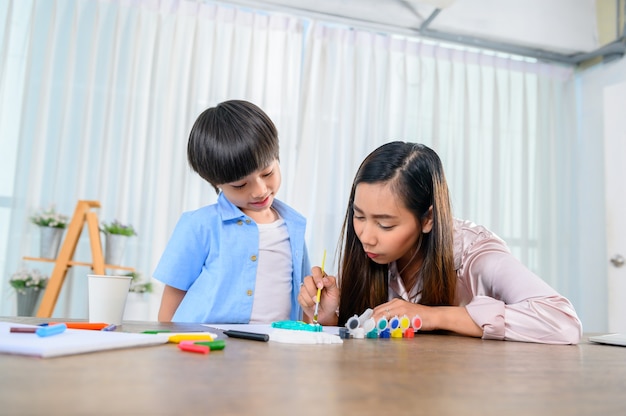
319, 292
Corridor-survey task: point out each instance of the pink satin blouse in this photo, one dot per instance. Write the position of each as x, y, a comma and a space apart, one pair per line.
506, 299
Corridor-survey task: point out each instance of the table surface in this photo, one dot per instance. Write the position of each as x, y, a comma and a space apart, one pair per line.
430, 374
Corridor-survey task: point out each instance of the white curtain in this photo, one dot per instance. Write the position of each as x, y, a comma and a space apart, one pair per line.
112, 88
110, 93
498, 123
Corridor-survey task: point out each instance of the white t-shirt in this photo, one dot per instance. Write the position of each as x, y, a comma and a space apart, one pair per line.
272, 293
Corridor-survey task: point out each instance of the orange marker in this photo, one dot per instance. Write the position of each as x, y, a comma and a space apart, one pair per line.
96, 326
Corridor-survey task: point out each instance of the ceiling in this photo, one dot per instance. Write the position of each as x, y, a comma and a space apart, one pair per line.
564, 31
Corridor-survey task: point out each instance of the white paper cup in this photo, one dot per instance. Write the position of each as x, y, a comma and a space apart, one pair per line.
107, 298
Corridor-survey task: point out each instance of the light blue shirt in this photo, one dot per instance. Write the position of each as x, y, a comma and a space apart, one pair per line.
212, 255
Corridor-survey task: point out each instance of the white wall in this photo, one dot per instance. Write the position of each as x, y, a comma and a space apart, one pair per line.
593, 256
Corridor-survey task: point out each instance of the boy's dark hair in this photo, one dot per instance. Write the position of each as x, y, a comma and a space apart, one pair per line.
230, 141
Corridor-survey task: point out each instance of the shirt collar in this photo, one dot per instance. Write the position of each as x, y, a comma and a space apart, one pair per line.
229, 210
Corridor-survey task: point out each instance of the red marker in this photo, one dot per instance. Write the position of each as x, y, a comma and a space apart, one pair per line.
191, 347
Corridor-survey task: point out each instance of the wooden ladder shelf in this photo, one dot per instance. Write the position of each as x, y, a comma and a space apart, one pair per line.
82, 214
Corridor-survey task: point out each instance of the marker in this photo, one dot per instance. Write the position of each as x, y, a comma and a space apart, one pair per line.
96, 326
247, 335
48, 331
191, 347
204, 335
319, 292
109, 328
23, 330
190, 337
216, 345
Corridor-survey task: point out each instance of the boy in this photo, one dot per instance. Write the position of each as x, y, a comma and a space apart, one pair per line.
242, 259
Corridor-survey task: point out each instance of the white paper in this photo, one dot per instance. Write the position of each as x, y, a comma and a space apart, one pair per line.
328, 335
71, 341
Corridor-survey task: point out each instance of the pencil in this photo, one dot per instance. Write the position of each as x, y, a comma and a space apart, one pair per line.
319, 292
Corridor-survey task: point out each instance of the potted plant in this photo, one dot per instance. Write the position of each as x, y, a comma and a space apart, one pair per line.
137, 285
29, 284
117, 228
116, 235
51, 225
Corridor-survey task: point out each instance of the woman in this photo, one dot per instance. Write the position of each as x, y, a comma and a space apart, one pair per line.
404, 254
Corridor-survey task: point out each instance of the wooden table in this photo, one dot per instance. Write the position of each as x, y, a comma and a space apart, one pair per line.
427, 375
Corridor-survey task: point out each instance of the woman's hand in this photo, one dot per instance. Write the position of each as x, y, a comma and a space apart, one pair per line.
448, 318
399, 307
329, 300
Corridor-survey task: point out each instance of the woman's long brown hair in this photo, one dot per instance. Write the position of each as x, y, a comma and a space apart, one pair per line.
416, 176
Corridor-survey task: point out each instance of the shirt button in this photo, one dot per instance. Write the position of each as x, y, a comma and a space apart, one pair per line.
247, 221
249, 292
253, 258
239, 222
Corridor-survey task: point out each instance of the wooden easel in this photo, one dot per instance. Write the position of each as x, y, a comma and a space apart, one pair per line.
82, 215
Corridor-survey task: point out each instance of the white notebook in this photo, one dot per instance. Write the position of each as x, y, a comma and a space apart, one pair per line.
72, 341
612, 339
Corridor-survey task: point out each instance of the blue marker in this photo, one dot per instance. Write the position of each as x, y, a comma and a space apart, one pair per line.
109, 328
47, 331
